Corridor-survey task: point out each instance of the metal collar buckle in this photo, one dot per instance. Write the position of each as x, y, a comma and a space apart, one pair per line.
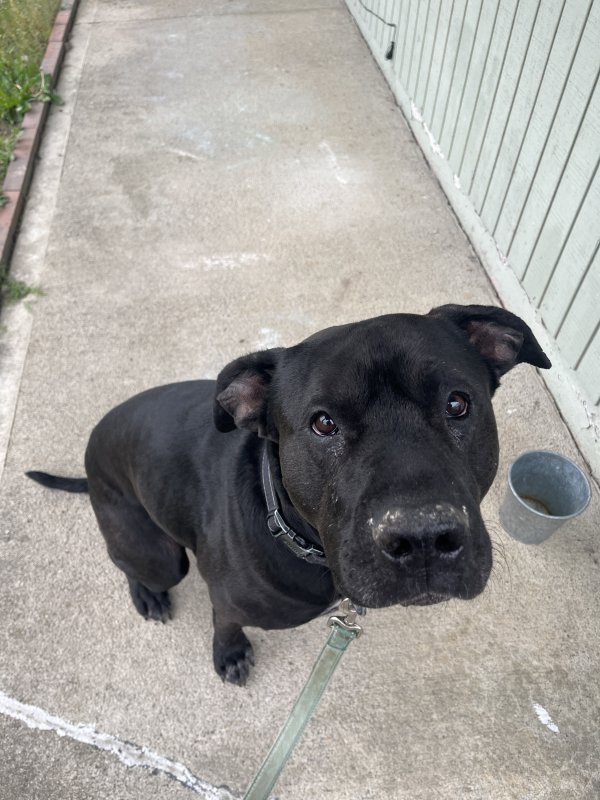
277, 525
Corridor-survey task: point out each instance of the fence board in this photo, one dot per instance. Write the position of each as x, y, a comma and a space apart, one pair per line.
576, 196
462, 65
472, 86
570, 28
421, 21
446, 81
482, 112
582, 318
409, 22
510, 78
426, 58
588, 371
521, 112
554, 125
437, 62
579, 250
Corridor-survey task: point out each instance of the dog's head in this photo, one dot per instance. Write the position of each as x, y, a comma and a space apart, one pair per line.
387, 443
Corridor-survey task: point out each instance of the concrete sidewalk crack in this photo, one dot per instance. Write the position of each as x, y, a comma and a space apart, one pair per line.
132, 755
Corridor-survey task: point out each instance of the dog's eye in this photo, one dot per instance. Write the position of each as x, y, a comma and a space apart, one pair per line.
323, 425
457, 405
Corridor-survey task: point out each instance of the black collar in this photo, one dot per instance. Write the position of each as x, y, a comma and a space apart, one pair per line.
279, 528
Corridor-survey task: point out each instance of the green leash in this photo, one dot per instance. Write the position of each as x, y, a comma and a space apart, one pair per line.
344, 629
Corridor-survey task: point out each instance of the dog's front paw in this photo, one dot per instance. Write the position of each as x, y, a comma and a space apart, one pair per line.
151, 605
233, 663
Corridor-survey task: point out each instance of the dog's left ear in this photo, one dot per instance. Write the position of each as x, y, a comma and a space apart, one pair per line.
242, 392
502, 338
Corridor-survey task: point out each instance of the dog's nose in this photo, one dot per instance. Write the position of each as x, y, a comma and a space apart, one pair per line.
404, 546
409, 537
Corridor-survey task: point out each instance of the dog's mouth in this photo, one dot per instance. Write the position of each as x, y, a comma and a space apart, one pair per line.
378, 588
371, 600
427, 599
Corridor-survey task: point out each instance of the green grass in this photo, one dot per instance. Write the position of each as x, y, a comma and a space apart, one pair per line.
25, 26
12, 290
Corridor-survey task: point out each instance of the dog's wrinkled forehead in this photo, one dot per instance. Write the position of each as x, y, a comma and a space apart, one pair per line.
381, 357
404, 352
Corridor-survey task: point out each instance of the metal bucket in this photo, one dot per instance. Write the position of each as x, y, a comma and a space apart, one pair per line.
544, 491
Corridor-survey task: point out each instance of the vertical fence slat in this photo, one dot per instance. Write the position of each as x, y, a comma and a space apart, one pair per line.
500, 129
418, 43
464, 58
566, 205
473, 85
535, 175
437, 62
489, 88
445, 59
568, 126
578, 250
453, 51
588, 371
423, 78
525, 102
412, 34
402, 36
581, 321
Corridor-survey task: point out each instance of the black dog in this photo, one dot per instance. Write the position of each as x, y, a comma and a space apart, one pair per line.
360, 459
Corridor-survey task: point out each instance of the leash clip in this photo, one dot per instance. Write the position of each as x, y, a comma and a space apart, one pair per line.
346, 619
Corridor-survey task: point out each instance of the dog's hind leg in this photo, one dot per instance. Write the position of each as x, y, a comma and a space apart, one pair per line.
150, 559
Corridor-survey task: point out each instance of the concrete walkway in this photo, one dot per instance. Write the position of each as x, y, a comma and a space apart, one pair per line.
227, 176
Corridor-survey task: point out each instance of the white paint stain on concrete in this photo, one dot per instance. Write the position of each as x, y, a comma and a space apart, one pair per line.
545, 718
417, 114
229, 261
253, 140
131, 755
263, 137
184, 154
201, 139
238, 164
267, 338
332, 160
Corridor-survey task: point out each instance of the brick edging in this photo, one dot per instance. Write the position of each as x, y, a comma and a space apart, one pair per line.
20, 170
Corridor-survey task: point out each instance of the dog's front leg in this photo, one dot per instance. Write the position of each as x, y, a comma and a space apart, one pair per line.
232, 652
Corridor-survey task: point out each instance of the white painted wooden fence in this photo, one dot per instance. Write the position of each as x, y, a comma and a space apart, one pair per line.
503, 97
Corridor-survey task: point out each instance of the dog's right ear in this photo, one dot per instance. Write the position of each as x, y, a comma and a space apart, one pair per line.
242, 392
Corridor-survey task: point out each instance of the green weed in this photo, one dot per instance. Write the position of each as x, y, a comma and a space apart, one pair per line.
12, 290
25, 26
21, 84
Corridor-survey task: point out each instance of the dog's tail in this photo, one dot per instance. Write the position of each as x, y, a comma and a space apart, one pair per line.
57, 482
